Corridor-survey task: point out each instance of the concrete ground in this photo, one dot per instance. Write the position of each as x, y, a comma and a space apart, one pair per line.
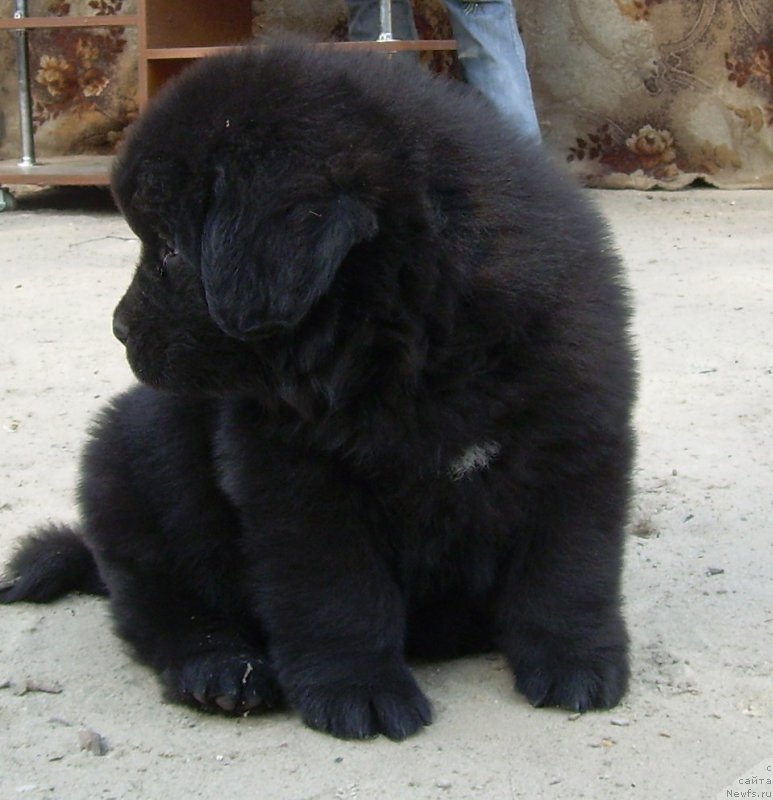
79, 720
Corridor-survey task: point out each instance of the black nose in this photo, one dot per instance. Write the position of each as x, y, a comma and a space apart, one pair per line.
120, 329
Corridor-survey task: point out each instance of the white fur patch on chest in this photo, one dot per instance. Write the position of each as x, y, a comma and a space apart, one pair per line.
475, 458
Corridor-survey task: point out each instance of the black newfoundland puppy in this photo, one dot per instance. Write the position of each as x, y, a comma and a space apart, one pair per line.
386, 402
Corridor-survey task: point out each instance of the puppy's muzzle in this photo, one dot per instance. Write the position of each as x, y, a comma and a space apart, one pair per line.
120, 329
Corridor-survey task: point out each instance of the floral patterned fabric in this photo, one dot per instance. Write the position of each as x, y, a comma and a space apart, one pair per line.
83, 81
630, 93
647, 93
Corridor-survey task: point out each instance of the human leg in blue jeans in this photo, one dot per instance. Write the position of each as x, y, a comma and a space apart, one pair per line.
489, 48
493, 58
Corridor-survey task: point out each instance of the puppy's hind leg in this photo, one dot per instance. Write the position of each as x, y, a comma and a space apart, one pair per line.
166, 541
207, 650
209, 655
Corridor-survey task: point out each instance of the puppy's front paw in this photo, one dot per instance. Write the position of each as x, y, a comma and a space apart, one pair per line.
230, 683
557, 672
359, 708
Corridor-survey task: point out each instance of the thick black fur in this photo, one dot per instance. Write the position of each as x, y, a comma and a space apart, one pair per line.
386, 409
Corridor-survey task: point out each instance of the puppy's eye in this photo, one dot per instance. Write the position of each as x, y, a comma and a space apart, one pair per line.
169, 258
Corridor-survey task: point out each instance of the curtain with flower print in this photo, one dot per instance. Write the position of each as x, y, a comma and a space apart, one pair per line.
645, 93
83, 80
630, 93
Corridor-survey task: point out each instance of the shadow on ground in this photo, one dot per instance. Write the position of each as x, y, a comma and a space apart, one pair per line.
80, 199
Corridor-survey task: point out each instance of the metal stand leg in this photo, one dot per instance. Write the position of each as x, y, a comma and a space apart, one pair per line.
385, 16
25, 97
7, 200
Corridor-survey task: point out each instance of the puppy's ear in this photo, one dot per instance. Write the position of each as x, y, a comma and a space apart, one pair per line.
265, 272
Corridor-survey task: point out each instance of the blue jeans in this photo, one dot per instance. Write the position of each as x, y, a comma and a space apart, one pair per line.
489, 45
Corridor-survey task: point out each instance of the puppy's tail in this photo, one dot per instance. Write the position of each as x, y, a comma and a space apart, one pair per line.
49, 563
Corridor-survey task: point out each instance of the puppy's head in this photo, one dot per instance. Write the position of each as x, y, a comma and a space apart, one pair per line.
269, 250
248, 205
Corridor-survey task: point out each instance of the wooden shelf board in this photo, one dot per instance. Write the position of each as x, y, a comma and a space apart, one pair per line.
102, 21
395, 46
172, 53
182, 53
59, 171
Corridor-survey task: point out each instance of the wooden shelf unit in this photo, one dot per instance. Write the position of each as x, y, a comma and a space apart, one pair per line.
171, 35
